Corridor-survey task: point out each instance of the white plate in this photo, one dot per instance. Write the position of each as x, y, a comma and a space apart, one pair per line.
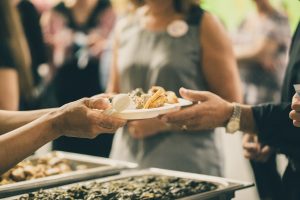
153, 112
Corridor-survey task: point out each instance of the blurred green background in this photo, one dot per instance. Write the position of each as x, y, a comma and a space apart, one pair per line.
231, 12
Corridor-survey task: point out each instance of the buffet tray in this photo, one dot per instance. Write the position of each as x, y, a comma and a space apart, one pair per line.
226, 187
97, 167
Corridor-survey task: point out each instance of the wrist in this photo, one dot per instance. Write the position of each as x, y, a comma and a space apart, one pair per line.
234, 123
228, 113
54, 120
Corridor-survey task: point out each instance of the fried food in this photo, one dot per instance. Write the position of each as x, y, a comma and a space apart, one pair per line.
158, 99
171, 97
155, 97
48, 165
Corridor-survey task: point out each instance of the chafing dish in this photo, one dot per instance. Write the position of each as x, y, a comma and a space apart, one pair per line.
224, 188
95, 167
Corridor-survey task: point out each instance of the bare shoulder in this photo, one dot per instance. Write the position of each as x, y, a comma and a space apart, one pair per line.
212, 31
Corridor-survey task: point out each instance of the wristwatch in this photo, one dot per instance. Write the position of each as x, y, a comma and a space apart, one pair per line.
233, 124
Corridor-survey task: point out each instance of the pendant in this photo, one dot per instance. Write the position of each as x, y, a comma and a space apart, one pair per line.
177, 28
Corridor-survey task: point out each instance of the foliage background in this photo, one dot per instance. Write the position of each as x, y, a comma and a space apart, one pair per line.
231, 12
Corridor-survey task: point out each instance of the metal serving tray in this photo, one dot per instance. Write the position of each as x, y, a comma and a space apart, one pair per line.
226, 187
97, 167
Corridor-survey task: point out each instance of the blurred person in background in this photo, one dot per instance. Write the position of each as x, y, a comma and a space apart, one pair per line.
270, 121
15, 71
23, 132
41, 74
261, 45
77, 35
24, 85
171, 43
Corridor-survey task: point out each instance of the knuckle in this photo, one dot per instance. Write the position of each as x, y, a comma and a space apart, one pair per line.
291, 115
296, 123
91, 135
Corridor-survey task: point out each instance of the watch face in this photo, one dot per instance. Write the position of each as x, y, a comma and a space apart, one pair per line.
234, 126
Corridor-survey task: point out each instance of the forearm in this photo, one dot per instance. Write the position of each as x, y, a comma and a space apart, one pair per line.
274, 125
247, 120
22, 142
10, 120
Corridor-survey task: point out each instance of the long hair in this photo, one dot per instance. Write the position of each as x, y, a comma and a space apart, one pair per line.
180, 6
12, 35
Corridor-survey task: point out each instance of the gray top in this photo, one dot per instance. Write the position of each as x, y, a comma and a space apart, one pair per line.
149, 58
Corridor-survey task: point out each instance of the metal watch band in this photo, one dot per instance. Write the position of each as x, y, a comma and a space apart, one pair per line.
233, 124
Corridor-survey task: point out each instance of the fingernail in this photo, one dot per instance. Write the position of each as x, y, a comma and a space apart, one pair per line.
183, 90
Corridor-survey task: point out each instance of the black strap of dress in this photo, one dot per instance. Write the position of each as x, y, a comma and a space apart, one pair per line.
195, 15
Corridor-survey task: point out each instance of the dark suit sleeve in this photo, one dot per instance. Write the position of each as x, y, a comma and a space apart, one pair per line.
276, 129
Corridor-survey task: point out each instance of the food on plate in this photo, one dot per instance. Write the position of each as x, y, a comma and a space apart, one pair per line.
132, 188
154, 98
48, 165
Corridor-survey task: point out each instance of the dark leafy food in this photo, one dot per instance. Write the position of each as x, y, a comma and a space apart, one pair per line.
148, 187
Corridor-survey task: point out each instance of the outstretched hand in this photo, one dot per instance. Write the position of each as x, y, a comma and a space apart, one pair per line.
85, 119
208, 112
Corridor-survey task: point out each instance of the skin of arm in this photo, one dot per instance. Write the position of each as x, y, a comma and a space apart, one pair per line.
10, 120
9, 89
209, 111
113, 84
82, 118
219, 65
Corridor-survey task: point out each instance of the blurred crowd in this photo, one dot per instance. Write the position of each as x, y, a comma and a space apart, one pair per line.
81, 48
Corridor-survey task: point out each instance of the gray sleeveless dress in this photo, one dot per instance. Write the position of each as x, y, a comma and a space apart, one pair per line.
155, 58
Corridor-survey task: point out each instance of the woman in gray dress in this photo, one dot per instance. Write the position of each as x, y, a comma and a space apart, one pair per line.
171, 43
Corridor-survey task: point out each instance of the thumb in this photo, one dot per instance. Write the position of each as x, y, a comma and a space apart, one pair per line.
265, 150
193, 95
98, 103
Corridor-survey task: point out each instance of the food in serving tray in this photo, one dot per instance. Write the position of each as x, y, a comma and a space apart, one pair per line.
154, 98
150, 187
48, 165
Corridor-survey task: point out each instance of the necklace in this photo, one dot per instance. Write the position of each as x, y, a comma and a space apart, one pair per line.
176, 28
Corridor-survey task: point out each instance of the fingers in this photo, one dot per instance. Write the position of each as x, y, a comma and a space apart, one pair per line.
134, 132
247, 138
139, 129
251, 146
294, 115
296, 103
182, 115
296, 123
97, 103
264, 154
193, 95
104, 95
107, 122
253, 149
198, 123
